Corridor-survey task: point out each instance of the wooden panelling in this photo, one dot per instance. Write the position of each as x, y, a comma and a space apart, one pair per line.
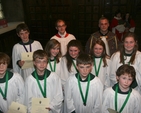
81, 15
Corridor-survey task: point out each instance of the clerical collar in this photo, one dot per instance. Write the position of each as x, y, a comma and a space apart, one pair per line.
91, 77
126, 54
97, 57
10, 75
62, 36
52, 59
73, 58
41, 77
119, 91
101, 34
29, 42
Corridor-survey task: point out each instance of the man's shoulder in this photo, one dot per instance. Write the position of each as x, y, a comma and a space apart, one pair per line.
95, 34
111, 34
53, 36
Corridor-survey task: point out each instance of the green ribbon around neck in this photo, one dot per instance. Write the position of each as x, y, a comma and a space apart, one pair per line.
53, 70
4, 94
40, 87
95, 67
87, 89
74, 66
116, 98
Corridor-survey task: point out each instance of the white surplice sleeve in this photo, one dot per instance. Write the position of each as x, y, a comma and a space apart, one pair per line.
115, 58
19, 83
105, 103
16, 57
68, 96
57, 99
64, 71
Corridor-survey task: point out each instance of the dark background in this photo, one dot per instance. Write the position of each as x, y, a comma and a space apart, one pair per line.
81, 17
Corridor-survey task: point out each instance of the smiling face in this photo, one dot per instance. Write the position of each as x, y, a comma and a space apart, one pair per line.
98, 50
129, 44
125, 80
24, 35
74, 51
84, 70
55, 50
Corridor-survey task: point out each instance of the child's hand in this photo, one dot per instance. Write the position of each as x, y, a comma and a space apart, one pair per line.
21, 63
48, 108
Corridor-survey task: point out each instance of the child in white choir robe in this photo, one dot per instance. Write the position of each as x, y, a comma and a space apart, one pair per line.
101, 62
121, 97
47, 80
83, 90
128, 54
11, 85
25, 45
68, 62
62, 36
53, 50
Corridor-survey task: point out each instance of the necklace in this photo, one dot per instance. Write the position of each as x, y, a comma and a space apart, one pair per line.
87, 89
95, 67
4, 94
40, 87
116, 99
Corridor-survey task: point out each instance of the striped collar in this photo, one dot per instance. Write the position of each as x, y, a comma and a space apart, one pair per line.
60, 36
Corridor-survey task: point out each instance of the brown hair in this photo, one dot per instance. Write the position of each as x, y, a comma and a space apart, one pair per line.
51, 44
104, 55
4, 58
74, 43
39, 54
103, 18
84, 59
122, 49
59, 20
23, 27
126, 69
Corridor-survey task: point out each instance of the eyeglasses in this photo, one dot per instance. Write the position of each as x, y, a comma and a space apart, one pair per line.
61, 26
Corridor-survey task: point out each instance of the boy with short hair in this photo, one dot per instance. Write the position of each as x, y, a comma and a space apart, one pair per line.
11, 85
24, 46
83, 91
62, 36
121, 97
43, 83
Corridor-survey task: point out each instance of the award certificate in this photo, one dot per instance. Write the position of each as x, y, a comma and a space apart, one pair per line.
39, 105
27, 57
15, 107
112, 111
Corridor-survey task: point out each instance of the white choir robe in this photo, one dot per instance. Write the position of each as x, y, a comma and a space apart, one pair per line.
65, 74
73, 98
54, 91
16, 55
15, 92
115, 59
103, 72
58, 67
58, 71
133, 105
64, 41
